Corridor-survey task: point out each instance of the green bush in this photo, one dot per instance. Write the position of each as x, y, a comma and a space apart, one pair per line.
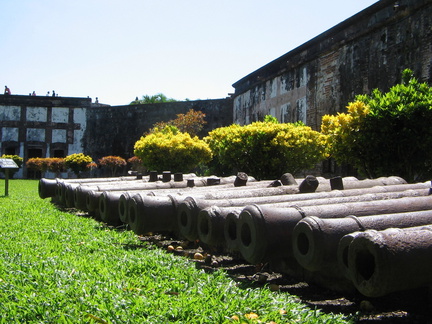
77, 162
390, 136
171, 150
266, 149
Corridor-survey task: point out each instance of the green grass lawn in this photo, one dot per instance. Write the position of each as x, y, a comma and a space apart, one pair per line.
56, 267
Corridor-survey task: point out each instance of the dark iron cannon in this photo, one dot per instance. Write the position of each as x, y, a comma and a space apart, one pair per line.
47, 187
189, 209
315, 240
382, 262
265, 232
211, 223
152, 213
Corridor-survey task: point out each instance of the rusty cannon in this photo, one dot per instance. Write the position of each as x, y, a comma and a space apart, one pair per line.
214, 192
139, 209
189, 209
315, 240
382, 262
265, 232
73, 195
47, 187
152, 213
211, 224
81, 194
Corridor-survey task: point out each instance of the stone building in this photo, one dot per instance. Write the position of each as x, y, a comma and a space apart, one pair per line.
36, 126
367, 51
39, 126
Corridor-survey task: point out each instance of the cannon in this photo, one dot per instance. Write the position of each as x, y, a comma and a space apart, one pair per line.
47, 187
382, 262
152, 213
315, 240
211, 222
189, 209
265, 232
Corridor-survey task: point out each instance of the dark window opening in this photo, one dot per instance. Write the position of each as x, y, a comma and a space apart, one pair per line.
34, 153
10, 151
59, 153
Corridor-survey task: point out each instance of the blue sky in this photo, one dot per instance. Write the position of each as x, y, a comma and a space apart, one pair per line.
118, 50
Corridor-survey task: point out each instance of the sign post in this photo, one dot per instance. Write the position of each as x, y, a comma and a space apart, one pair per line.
7, 164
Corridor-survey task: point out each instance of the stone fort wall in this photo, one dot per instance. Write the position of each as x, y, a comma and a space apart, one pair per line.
367, 51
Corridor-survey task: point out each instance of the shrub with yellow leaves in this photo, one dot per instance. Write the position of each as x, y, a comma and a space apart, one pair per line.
341, 128
77, 162
266, 149
169, 149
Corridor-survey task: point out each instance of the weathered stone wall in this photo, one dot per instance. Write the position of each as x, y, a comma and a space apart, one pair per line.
41, 126
366, 51
46, 126
114, 130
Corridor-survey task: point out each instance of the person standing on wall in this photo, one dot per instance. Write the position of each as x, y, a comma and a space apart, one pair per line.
7, 91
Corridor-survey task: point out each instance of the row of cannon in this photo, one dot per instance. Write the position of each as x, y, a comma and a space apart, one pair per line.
345, 234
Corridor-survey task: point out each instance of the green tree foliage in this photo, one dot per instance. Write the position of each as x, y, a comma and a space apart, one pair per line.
266, 149
388, 134
77, 162
168, 149
157, 98
192, 122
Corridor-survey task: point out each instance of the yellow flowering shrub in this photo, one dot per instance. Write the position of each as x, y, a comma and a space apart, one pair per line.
341, 129
168, 149
266, 149
77, 162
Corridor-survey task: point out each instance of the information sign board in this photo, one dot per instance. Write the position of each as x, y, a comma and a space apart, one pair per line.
8, 164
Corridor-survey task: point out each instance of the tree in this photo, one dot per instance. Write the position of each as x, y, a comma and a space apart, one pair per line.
192, 122
157, 98
386, 133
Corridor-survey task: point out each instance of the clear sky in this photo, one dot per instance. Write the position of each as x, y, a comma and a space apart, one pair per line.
118, 50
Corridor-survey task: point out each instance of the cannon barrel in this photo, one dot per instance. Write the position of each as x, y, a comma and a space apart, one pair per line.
211, 223
109, 207
212, 192
152, 213
51, 187
382, 262
191, 206
261, 229
46, 187
230, 230
315, 240
79, 191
